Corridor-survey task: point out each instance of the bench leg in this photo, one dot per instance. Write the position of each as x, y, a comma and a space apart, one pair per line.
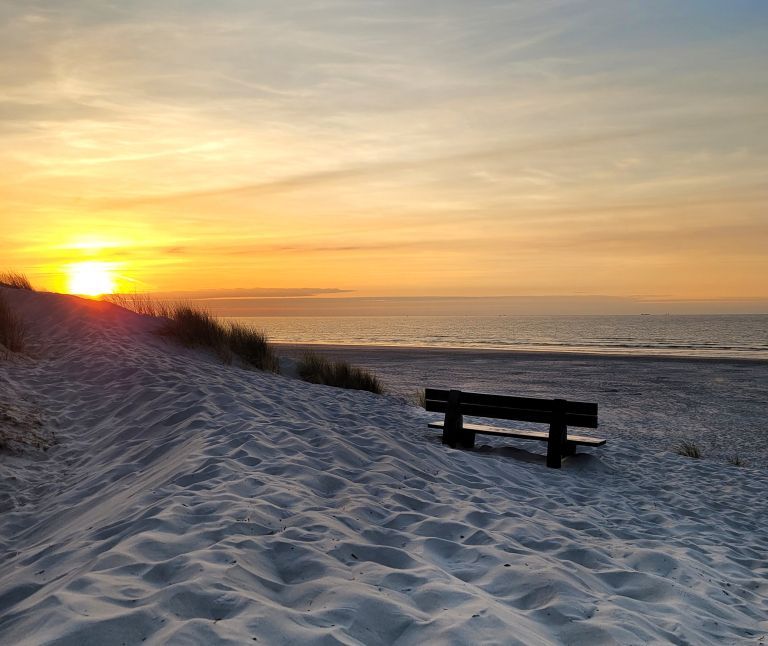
557, 433
569, 448
453, 430
454, 421
467, 439
449, 435
553, 455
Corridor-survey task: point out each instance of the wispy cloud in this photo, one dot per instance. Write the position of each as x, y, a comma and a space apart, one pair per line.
250, 293
389, 146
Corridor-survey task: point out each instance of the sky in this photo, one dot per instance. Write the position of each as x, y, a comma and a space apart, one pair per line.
610, 153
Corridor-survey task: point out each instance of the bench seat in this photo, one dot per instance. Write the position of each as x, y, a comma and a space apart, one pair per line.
542, 436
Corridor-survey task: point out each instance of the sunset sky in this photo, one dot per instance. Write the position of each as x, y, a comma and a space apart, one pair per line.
610, 151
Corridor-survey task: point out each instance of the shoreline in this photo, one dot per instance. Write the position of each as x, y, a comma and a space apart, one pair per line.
515, 353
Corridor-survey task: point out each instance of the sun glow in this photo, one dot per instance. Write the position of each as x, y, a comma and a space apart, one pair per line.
90, 278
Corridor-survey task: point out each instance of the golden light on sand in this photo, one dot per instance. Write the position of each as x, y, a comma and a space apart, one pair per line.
90, 278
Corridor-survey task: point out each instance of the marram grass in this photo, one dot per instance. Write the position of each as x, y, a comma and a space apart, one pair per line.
12, 332
195, 327
15, 280
318, 369
688, 449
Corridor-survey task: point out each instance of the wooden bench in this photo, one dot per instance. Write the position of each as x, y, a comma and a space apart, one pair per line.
558, 413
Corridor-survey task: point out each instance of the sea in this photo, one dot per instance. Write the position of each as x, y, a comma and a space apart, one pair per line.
703, 336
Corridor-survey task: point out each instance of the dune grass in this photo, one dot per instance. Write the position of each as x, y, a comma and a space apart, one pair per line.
318, 369
252, 346
12, 332
139, 303
736, 461
418, 398
15, 280
689, 449
195, 327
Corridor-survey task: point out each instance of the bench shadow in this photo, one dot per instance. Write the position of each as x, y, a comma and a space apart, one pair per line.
580, 462
511, 452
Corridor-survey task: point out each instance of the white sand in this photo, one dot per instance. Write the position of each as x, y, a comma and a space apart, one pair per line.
720, 404
194, 503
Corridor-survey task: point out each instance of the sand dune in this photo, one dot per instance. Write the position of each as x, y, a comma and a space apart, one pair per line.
191, 502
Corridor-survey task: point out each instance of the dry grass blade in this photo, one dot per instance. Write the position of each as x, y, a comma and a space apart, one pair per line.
139, 303
317, 369
688, 449
15, 280
252, 347
12, 333
419, 398
195, 327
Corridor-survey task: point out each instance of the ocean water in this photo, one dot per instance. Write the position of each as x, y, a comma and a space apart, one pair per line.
714, 336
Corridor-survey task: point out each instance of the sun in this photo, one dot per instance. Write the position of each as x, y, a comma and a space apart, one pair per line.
90, 278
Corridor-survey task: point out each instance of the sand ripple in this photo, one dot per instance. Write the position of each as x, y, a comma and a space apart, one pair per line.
190, 502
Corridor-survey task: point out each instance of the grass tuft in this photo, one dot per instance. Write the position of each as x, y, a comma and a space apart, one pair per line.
15, 280
12, 333
139, 303
317, 369
688, 449
736, 461
195, 327
252, 347
418, 398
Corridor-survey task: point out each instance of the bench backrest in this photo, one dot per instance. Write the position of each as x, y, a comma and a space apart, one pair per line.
521, 409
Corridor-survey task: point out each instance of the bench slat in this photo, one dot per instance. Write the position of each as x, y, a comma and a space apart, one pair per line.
543, 436
519, 414
507, 401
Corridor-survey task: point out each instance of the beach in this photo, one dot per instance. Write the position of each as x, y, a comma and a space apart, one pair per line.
656, 401
184, 500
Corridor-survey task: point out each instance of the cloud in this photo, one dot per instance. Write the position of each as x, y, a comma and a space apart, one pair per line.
59, 111
254, 247
379, 168
479, 306
441, 140
250, 293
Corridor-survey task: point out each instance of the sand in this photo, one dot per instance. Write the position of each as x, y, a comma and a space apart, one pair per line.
190, 502
720, 404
